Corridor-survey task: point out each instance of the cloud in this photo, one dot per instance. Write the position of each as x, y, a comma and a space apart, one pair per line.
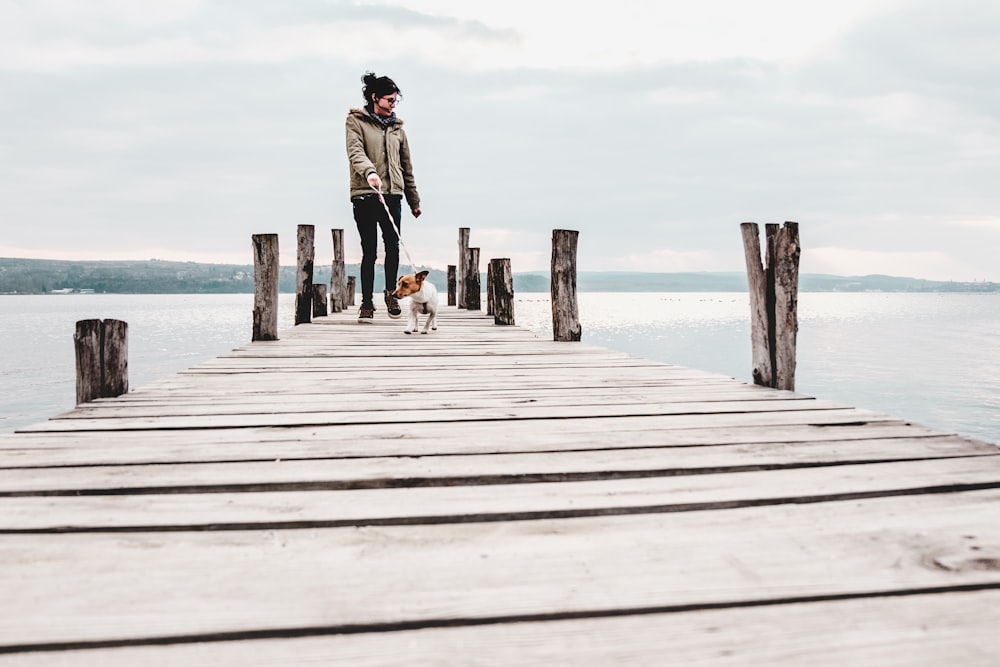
114, 34
991, 224
198, 124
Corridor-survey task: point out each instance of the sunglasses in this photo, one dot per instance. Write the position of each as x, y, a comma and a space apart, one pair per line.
391, 100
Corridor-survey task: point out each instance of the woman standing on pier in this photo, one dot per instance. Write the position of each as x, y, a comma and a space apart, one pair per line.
379, 156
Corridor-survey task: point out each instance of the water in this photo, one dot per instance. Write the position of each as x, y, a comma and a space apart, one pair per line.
929, 358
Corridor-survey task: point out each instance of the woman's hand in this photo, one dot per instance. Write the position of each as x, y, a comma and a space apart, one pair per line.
375, 181
416, 212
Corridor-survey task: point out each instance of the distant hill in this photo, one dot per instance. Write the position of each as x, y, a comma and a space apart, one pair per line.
45, 276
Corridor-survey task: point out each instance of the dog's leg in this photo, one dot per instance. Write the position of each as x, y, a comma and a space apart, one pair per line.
411, 321
431, 322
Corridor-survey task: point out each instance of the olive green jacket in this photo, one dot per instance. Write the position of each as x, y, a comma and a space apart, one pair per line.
384, 151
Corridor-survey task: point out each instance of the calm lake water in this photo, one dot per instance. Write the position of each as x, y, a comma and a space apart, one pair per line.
930, 358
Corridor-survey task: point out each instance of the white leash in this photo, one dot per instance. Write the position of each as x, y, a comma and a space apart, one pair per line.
395, 228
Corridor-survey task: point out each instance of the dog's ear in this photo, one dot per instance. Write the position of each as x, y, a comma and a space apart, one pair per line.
423, 275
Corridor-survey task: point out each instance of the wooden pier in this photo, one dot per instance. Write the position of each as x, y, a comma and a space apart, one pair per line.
479, 496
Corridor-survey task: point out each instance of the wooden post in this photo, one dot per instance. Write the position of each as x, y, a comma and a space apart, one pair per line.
785, 261
319, 300
472, 289
773, 293
502, 291
305, 255
101, 359
338, 283
463, 250
265, 287
87, 343
452, 284
351, 286
114, 368
565, 314
490, 268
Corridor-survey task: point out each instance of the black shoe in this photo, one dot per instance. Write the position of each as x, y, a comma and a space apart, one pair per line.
366, 314
392, 305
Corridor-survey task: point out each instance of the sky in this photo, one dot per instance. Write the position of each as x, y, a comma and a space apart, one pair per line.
178, 129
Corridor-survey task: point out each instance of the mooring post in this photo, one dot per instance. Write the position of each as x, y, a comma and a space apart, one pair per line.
338, 283
472, 288
773, 291
489, 287
87, 343
319, 300
786, 302
265, 287
101, 359
351, 286
463, 249
452, 284
502, 291
305, 255
565, 313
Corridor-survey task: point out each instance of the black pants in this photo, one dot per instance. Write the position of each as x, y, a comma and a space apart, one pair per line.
370, 217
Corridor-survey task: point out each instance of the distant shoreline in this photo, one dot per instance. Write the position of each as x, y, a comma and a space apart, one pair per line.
62, 277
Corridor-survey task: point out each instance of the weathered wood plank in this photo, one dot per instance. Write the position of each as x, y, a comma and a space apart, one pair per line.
396, 439
919, 630
393, 402
452, 469
142, 586
243, 507
210, 419
492, 482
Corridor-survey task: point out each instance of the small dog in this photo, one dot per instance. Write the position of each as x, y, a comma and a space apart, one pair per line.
423, 299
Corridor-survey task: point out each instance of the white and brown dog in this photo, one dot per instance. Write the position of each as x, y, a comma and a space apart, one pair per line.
423, 299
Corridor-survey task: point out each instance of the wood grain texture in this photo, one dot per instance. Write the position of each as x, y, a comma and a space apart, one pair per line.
351, 495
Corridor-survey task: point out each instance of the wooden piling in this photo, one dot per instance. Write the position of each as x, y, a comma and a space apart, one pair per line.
305, 256
265, 287
319, 308
452, 284
565, 312
773, 291
489, 287
338, 282
114, 347
501, 291
351, 286
87, 343
472, 288
101, 359
463, 249
785, 259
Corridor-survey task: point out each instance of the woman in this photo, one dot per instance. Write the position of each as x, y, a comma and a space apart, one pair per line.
379, 156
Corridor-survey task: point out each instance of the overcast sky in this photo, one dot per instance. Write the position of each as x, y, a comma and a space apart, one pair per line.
176, 129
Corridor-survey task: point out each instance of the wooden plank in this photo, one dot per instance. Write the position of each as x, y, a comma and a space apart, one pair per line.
919, 630
433, 469
334, 483
436, 395
418, 400
100, 587
241, 508
394, 439
436, 469
277, 417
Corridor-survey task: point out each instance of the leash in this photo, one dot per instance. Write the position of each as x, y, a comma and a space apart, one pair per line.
399, 236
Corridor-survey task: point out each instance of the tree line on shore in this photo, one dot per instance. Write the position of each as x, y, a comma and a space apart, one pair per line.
43, 276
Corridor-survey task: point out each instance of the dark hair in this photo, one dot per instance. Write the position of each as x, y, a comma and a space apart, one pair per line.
379, 86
